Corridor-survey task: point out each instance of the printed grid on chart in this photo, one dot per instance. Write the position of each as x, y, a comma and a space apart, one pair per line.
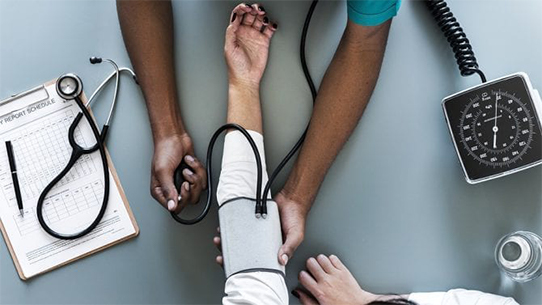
62, 206
41, 152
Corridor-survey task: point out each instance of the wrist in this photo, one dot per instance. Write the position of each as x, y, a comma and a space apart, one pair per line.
301, 203
244, 92
160, 135
167, 125
164, 115
242, 85
298, 191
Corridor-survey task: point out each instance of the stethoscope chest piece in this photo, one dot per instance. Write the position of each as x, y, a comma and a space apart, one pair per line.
68, 86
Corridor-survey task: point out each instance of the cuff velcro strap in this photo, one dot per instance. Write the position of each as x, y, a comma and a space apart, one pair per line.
249, 243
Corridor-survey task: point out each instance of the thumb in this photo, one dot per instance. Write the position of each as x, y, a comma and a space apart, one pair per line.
294, 237
168, 189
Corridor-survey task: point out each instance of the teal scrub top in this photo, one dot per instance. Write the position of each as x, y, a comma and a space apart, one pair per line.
372, 12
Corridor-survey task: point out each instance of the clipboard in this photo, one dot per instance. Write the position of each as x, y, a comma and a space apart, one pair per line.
115, 185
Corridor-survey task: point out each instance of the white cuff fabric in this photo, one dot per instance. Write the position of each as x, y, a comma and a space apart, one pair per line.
427, 298
460, 297
256, 288
239, 172
238, 179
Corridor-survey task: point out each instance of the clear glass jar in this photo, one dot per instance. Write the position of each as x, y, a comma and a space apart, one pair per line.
519, 256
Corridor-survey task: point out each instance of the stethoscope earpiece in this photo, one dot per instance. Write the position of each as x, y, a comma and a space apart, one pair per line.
95, 60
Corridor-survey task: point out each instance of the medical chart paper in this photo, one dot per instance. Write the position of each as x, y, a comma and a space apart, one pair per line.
37, 124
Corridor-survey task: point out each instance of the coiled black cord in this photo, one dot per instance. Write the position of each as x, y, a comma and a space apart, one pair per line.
261, 199
456, 38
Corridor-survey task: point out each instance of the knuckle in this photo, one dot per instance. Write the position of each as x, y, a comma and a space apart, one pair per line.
197, 164
187, 143
326, 282
319, 294
196, 194
195, 160
161, 170
154, 191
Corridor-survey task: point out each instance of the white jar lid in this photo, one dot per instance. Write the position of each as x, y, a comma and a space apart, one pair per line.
515, 252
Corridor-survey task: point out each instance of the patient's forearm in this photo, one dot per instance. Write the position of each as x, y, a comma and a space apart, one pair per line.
244, 107
147, 28
345, 91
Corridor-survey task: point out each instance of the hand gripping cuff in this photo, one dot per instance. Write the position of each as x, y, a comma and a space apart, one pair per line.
249, 243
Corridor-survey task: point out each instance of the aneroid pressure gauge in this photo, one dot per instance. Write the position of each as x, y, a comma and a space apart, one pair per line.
495, 127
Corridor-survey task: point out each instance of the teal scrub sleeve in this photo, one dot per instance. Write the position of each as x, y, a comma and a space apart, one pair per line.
372, 12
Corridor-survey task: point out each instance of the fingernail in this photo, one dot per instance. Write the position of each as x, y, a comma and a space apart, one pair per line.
285, 259
189, 158
261, 9
188, 172
232, 20
171, 205
187, 186
275, 26
265, 20
295, 294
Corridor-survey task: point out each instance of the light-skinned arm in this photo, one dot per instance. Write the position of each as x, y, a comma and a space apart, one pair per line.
147, 29
344, 93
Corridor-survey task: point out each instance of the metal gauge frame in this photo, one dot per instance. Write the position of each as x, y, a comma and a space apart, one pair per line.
536, 103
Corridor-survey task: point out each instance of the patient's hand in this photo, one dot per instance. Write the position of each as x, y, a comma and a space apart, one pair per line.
247, 44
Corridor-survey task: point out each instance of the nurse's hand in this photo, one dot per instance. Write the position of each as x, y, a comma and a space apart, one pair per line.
293, 215
168, 154
247, 44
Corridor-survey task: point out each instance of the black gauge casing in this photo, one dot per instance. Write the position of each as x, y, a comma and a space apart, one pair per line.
495, 127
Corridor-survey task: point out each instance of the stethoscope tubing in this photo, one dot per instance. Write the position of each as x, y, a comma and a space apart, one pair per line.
107, 80
209, 166
78, 151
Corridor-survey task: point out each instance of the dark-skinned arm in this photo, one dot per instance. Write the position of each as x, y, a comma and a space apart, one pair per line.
344, 93
147, 29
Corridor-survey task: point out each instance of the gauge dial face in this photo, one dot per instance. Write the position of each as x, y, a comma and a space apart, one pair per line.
495, 128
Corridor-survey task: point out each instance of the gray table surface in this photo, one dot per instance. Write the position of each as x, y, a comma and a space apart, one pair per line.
394, 206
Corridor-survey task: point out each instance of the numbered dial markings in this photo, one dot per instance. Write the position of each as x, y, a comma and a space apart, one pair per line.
496, 128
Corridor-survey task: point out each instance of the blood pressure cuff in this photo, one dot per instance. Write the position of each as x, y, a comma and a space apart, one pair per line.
372, 12
248, 243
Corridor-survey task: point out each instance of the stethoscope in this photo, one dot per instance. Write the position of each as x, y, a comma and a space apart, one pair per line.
70, 87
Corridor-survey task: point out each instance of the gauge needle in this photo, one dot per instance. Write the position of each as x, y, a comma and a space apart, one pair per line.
491, 119
495, 128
